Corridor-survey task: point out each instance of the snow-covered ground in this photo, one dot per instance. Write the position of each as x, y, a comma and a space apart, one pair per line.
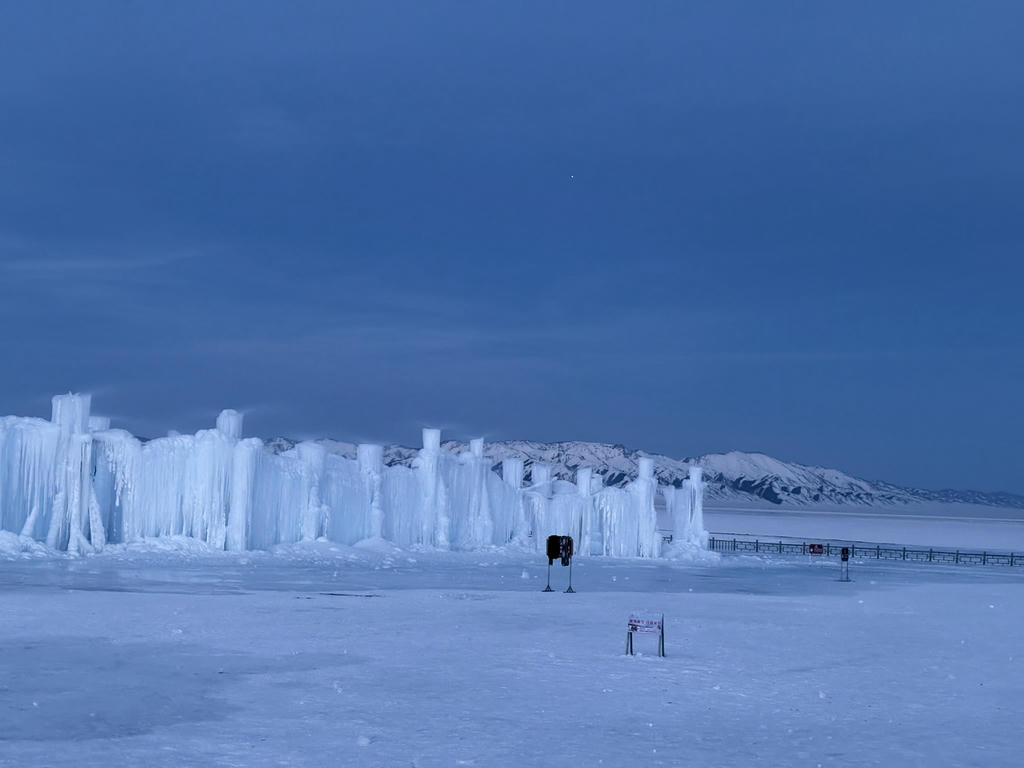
958, 526
165, 654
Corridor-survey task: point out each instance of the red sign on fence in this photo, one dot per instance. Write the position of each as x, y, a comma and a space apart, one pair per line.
816, 549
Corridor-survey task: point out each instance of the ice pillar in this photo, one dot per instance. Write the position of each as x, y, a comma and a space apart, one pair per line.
512, 472
75, 517
693, 488
314, 456
645, 468
229, 424
472, 524
540, 475
243, 486
435, 520
431, 440
371, 467
584, 477
645, 516
71, 413
584, 534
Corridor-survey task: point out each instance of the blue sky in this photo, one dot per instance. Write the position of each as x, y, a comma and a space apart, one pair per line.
686, 227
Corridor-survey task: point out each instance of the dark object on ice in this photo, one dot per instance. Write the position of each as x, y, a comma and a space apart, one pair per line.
844, 554
565, 549
554, 548
559, 548
345, 594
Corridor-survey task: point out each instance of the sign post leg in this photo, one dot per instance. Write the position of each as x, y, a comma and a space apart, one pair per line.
570, 589
629, 643
548, 587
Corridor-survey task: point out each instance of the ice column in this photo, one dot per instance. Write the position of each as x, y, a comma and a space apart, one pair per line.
431, 440
435, 520
584, 484
693, 493
512, 476
75, 517
538, 501
314, 456
583, 480
229, 424
243, 488
71, 413
29, 450
541, 479
469, 510
645, 517
371, 467
512, 472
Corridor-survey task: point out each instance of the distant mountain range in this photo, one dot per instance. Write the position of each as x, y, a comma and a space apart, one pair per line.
733, 477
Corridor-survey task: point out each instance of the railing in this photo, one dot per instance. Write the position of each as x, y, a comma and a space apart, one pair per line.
864, 550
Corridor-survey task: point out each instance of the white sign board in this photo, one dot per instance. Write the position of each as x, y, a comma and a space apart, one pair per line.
646, 624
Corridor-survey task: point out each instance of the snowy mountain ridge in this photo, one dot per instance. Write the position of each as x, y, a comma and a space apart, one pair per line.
735, 477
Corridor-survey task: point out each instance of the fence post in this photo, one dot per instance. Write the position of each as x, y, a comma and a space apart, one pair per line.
929, 555
757, 545
904, 553
878, 552
957, 556
1011, 559
780, 546
984, 558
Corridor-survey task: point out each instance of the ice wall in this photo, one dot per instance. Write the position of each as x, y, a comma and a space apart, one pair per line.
78, 485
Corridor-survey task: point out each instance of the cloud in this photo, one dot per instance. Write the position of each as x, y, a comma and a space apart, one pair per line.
44, 264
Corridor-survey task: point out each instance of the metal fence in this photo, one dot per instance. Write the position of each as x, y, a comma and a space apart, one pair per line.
865, 551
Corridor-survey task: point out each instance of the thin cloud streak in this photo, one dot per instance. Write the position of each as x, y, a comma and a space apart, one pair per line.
44, 265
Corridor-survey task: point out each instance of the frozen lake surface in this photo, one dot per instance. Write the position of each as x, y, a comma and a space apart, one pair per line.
168, 655
956, 526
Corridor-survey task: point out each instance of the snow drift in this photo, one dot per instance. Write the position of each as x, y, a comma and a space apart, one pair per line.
76, 484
